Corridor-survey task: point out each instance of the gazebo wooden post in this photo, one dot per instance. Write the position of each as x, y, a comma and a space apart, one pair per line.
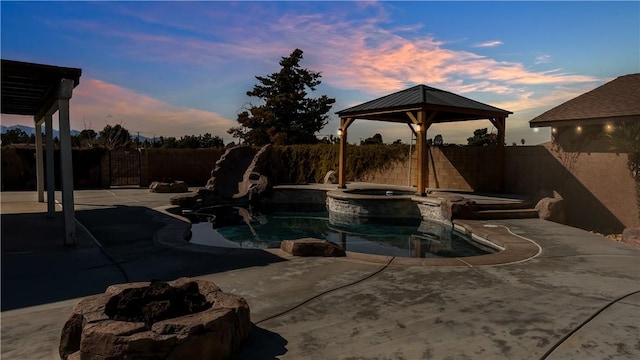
500, 124
342, 161
421, 147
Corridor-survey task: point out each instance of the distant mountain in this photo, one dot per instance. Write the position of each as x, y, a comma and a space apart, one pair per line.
32, 130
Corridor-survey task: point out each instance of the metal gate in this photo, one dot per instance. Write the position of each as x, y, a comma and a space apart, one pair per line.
124, 167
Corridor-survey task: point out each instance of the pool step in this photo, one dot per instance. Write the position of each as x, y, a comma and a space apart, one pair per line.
502, 206
506, 214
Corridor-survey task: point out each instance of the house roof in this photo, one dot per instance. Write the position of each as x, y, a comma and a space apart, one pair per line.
29, 88
450, 106
617, 100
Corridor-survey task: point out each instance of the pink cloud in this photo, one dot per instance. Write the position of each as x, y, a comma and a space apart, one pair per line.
359, 54
96, 103
363, 55
352, 54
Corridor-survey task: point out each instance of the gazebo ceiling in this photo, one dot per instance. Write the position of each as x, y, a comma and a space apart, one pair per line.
28, 88
450, 107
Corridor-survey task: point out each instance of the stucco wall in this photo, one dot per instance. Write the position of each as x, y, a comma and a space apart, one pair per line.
598, 188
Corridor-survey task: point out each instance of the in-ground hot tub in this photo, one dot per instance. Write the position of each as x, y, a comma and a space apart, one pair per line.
365, 204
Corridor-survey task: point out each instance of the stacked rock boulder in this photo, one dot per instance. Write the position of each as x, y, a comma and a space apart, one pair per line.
237, 177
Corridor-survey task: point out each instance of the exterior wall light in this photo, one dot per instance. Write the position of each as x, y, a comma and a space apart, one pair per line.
536, 129
339, 132
579, 129
418, 128
608, 128
554, 130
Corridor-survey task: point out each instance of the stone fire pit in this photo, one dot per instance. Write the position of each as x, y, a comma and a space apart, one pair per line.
181, 319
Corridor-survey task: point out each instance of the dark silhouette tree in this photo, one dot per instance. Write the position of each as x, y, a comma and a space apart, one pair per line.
15, 136
87, 138
112, 137
482, 137
438, 140
374, 140
200, 141
287, 115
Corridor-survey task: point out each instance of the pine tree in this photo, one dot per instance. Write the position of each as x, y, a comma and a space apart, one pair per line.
287, 115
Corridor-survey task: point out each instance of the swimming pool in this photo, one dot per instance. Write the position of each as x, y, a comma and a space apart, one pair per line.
249, 228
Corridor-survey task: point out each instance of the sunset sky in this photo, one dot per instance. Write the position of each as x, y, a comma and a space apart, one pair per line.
183, 68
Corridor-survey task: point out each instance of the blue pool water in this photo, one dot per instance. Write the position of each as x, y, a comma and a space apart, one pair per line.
237, 227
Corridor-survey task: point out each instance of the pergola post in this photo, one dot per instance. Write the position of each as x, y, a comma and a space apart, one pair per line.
64, 94
39, 161
51, 180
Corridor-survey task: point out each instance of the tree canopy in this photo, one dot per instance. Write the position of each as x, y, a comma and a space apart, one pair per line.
374, 140
287, 115
112, 137
482, 137
15, 136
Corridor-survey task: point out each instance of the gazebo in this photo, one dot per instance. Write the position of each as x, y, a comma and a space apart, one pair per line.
40, 91
421, 106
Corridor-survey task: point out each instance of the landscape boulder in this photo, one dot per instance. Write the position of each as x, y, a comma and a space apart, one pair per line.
169, 187
311, 247
457, 207
331, 177
551, 208
631, 236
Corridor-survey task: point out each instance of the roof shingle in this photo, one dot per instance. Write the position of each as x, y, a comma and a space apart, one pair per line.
619, 98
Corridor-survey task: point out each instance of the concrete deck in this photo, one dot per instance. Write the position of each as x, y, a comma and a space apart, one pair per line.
578, 299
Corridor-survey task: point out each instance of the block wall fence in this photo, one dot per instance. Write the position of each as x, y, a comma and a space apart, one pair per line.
599, 190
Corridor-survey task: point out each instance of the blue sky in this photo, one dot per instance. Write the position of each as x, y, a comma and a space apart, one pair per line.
182, 68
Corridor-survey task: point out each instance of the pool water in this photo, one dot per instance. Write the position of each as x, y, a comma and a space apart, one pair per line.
237, 227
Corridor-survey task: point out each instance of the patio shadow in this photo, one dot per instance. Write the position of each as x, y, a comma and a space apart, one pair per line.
38, 269
264, 344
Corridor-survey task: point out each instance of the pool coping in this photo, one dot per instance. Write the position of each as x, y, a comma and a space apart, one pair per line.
513, 248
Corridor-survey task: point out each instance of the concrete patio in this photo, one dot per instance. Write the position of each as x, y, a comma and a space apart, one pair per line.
578, 299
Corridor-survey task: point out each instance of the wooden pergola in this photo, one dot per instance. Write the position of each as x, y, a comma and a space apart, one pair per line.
421, 106
40, 91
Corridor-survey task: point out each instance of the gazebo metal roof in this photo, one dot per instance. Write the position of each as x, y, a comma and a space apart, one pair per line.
450, 107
